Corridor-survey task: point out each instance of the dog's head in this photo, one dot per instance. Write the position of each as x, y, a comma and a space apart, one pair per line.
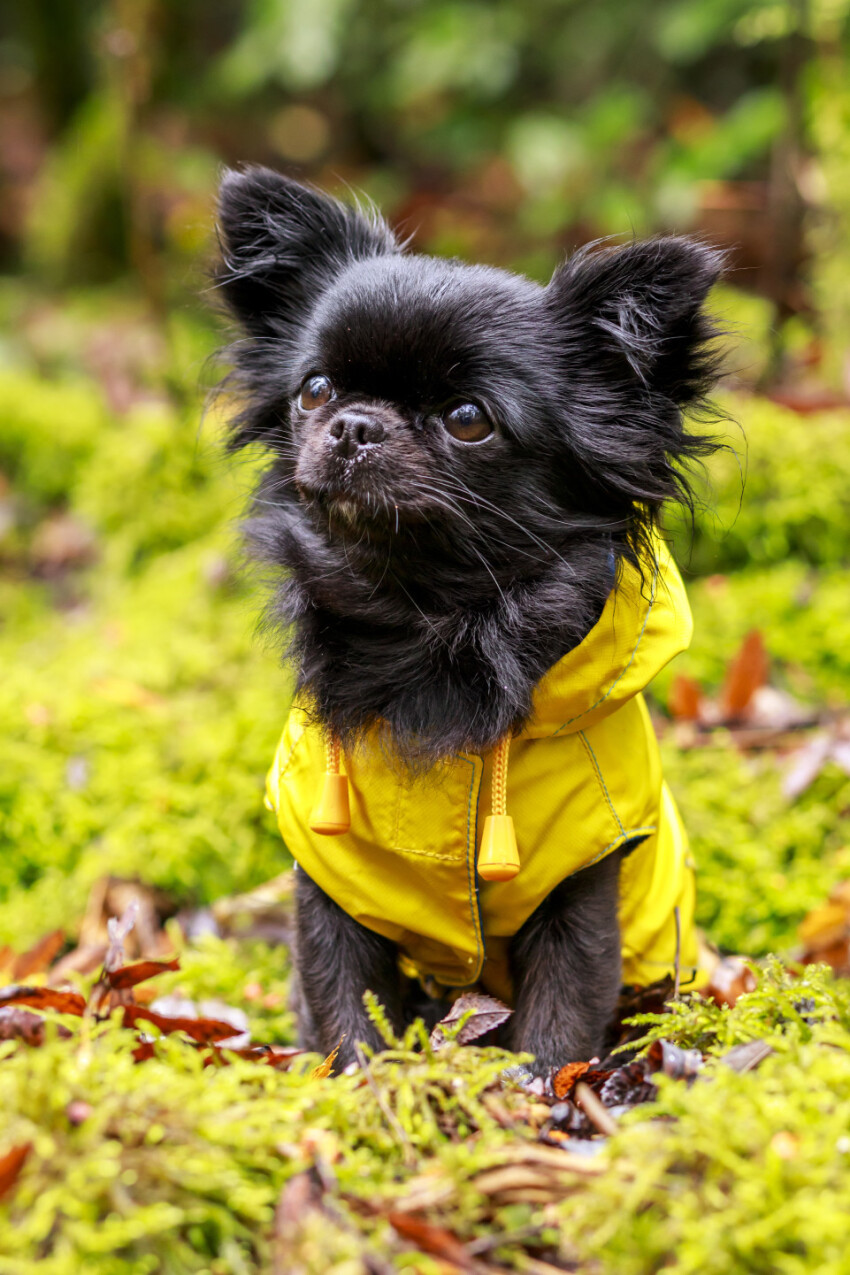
488, 420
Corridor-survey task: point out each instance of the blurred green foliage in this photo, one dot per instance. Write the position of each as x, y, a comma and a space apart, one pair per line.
779, 491
502, 131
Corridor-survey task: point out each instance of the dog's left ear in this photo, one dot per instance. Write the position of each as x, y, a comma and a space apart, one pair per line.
636, 313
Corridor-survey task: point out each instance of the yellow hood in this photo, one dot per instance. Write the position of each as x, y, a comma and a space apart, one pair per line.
645, 623
584, 779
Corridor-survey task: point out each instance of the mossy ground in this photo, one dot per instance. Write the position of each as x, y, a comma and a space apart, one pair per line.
139, 713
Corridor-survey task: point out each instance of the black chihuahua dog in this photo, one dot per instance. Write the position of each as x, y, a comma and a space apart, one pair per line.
460, 464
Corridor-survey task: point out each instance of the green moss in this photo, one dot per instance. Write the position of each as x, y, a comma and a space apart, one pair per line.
795, 501
743, 1173
128, 754
803, 617
762, 862
50, 428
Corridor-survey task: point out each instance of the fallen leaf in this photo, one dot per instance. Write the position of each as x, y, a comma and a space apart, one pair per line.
325, 1068
10, 1166
432, 1239
823, 927
485, 1013
684, 703
43, 998
564, 1081
39, 957
61, 542
207, 1031
628, 1086
746, 673
20, 1024
806, 764
131, 975
748, 1056
82, 960
730, 979
671, 1060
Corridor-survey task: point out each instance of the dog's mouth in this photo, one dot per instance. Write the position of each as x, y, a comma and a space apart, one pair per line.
353, 505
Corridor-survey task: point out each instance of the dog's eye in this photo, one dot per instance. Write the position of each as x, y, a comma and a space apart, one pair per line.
467, 423
315, 392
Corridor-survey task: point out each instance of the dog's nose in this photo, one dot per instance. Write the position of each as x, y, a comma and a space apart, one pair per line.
353, 430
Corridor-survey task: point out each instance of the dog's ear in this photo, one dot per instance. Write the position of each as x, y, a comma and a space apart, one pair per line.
635, 350
636, 313
282, 243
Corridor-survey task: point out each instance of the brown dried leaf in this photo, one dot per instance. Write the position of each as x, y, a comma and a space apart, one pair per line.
39, 957
684, 703
824, 926
325, 1068
206, 1031
432, 1239
628, 1086
277, 1056
299, 1203
83, 960
806, 765
674, 1061
131, 975
564, 1081
485, 1014
43, 998
748, 1056
61, 542
10, 1166
746, 673
20, 1024
730, 979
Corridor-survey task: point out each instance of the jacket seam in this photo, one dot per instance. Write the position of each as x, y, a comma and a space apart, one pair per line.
427, 854
626, 667
283, 766
470, 877
597, 771
628, 835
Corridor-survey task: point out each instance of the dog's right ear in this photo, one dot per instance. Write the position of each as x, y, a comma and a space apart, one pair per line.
282, 243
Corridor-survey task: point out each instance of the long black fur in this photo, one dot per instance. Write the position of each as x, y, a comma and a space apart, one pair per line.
426, 585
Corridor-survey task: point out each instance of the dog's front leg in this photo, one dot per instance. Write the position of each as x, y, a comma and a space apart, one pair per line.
565, 964
337, 960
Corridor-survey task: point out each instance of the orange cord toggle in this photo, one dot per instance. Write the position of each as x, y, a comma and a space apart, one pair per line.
498, 858
331, 814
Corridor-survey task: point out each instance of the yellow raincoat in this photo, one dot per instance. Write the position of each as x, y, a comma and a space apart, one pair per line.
584, 778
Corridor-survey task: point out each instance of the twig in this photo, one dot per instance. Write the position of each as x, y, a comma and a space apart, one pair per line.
678, 952
390, 1116
594, 1110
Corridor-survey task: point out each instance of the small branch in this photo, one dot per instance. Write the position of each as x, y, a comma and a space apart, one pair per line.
678, 952
596, 1113
390, 1116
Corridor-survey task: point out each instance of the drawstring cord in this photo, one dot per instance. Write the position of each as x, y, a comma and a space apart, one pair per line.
498, 858
331, 814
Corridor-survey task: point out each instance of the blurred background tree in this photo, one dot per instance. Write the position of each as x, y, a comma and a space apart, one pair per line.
502, 131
